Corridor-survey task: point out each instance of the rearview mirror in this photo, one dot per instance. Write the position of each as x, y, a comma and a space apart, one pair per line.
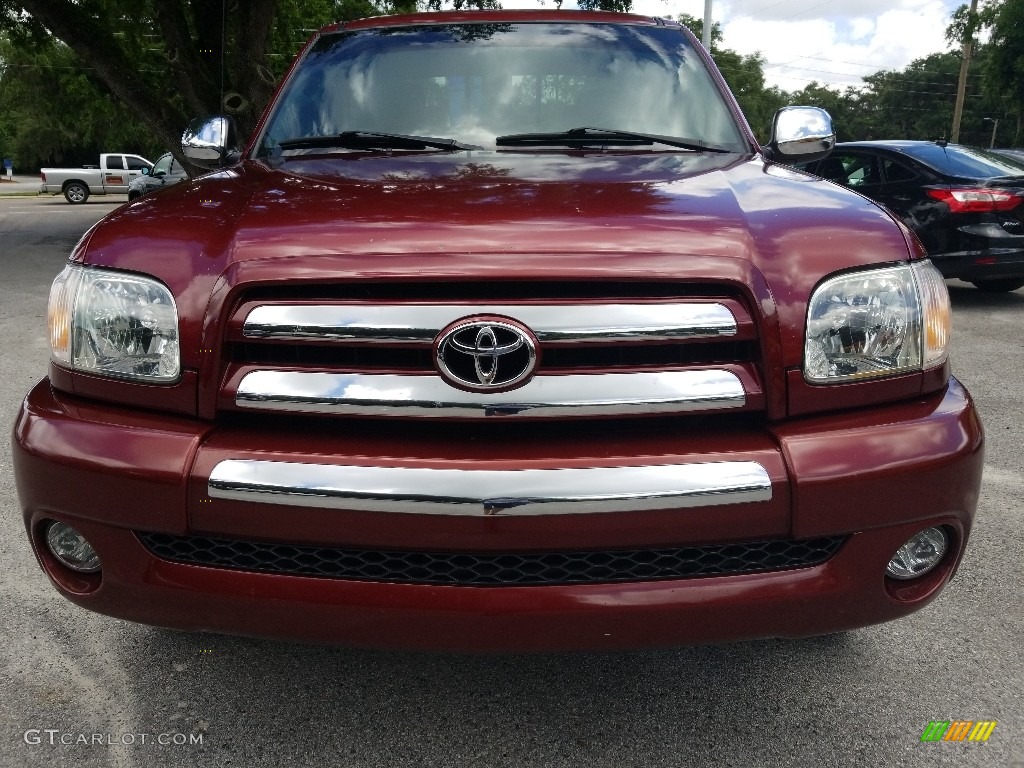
801, 135
210, 142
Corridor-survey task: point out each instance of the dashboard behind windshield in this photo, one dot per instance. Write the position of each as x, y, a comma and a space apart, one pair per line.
473, 82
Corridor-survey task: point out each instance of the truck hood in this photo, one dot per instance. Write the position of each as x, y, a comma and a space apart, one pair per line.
769, 230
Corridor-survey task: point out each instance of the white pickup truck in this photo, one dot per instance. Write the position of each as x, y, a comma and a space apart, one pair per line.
110, 177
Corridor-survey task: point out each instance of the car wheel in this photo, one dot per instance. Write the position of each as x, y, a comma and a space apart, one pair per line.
999, 286
76, 192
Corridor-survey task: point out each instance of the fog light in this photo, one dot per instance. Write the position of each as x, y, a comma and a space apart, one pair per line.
71, 548
920, 554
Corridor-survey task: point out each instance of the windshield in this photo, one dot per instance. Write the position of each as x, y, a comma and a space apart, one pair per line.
474, 82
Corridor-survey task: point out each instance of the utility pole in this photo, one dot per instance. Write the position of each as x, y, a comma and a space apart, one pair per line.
705, 35
965, 63
995, 127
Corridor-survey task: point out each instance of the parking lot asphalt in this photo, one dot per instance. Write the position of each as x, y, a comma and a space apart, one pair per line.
862, 698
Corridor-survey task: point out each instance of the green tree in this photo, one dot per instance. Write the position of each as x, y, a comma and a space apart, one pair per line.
745, 77
1003, 68
51, 111
916, 102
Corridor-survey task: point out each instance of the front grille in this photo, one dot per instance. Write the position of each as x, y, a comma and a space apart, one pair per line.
491, 569
695, 350
409, 358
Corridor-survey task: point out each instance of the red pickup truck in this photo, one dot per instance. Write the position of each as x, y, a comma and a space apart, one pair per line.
502, 333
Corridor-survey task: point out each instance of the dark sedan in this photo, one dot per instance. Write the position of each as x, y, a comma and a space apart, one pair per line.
964, 204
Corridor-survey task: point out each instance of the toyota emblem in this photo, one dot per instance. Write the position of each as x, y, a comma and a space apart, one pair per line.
486, 354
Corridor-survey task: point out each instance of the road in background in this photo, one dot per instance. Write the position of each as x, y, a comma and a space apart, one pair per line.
857, 699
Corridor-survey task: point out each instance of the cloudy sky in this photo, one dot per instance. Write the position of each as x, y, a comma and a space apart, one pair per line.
834, 42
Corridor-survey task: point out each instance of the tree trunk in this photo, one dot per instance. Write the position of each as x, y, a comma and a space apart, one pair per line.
253, 82
200, 92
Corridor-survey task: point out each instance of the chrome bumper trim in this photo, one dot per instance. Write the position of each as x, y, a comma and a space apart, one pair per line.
480, 493
610, 394
405, 323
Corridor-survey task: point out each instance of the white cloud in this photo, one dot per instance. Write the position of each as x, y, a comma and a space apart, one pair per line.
861, 28
833, 42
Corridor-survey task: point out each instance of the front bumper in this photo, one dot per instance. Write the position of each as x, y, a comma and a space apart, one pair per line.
872, 477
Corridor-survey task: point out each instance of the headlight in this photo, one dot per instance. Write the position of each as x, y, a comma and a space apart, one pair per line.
877, 323
114, 324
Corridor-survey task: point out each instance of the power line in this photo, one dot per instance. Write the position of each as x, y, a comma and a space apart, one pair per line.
896, 72
889, 87
831, 61
854, 74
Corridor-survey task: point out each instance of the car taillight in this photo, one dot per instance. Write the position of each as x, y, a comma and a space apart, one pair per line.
42, 176
976, 200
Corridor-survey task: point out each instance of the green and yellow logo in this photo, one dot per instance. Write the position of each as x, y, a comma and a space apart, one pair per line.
958, 730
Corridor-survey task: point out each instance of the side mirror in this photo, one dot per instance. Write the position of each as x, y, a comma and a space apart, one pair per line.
145, 171
210, 142
801, 135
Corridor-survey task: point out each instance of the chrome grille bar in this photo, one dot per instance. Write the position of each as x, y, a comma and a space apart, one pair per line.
480, 493
405, 323
610, 394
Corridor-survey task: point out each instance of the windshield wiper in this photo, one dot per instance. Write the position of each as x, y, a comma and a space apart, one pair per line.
374, 140
590, 137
